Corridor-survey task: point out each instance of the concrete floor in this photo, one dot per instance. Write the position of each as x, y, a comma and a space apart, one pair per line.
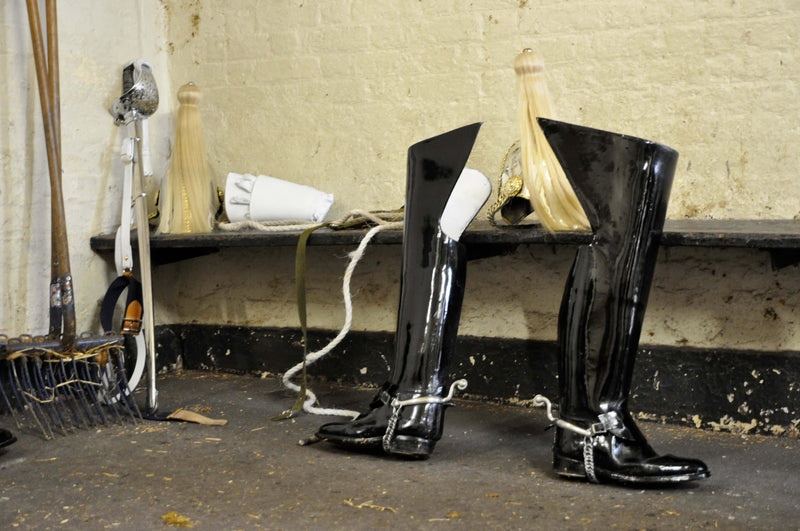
490, 471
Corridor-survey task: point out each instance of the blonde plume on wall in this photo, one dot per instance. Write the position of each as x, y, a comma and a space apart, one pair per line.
552, 196
188, 191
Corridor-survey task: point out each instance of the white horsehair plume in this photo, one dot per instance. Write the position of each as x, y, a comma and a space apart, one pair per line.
552, 196
188, 192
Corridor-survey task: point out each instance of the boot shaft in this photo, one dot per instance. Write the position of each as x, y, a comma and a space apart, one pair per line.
623, 183
433, 168
431, 294
433, 267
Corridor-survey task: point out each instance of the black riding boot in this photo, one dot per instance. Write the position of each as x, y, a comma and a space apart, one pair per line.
431, 291
623, 184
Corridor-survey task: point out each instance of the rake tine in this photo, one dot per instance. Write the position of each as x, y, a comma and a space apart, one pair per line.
30, 394
42, 395
62, 401
7, 401
114, 392
48, 395
78, 391
120, 376
129, 395
18, 390
88, 388
30, 405
15, 390
121, 401
89, 380
94, 375
69, 397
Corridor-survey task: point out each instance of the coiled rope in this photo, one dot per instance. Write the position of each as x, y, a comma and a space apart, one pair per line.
382, 220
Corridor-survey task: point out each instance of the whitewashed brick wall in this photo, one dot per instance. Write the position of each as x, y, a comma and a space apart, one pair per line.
331, 93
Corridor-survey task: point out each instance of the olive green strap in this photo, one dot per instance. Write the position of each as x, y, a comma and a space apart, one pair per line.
300, 283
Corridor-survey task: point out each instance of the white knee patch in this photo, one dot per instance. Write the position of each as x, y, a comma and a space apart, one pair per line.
469, 194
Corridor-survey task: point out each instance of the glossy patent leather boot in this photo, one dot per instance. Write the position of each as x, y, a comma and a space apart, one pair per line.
407, 415
623, 184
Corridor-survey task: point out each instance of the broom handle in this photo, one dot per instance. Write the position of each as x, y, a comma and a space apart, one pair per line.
143, 238
59, 229
56, 310
53, 73
58, 219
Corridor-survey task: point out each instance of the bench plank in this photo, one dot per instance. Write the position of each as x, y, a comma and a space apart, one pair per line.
759, 234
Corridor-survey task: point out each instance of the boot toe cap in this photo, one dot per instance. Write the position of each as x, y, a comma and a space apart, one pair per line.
661, 469
681, 466
353, 432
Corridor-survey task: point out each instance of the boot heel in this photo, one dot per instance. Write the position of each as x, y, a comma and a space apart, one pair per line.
412, 446
571, 468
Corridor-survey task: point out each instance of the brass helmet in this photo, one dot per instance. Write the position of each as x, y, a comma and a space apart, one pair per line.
513, 198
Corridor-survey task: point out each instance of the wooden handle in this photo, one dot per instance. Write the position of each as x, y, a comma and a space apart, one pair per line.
49, 99
56, 313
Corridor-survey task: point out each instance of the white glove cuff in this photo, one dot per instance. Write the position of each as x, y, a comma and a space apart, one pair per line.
263, 198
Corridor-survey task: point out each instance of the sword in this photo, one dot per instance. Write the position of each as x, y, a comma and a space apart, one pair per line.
139, 100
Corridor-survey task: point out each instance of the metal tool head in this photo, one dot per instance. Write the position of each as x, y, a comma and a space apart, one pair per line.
54, 393
139, 93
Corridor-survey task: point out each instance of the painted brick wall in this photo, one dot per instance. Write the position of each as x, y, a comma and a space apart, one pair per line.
331, 93
95, 41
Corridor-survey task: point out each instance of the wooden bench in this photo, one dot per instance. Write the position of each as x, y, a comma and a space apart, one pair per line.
683, 384
781, 238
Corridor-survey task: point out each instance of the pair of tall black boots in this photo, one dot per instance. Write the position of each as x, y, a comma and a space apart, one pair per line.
623, 184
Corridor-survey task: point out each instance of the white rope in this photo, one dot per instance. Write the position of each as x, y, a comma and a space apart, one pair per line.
267, 226
379, 218
383, 220
355, 256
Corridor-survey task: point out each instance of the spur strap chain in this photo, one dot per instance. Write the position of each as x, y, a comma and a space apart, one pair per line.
588, 458
608, 423
388, 437
397, 405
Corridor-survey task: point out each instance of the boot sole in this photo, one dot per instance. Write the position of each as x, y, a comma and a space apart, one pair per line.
572, 468
416, 447
366, 443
